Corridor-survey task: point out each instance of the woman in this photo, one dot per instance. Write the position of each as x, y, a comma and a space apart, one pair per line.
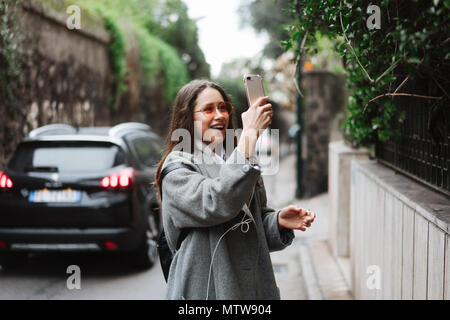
225, 254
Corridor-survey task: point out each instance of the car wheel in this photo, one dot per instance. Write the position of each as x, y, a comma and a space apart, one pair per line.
145, 256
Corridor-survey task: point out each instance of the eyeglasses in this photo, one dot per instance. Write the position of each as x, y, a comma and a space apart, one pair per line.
210, 109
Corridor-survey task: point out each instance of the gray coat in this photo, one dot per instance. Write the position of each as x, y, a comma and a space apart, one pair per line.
210, 200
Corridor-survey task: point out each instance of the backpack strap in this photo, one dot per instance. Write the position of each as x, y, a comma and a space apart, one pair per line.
173, 166
169, 168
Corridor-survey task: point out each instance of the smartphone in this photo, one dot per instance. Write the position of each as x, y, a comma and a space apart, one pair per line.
253, 87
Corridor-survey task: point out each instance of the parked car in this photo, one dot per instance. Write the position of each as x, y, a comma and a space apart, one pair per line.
82, 189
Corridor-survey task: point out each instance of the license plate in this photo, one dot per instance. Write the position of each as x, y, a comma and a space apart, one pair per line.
45, 195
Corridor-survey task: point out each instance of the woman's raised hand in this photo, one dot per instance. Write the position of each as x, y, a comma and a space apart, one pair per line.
254, 121
257, 117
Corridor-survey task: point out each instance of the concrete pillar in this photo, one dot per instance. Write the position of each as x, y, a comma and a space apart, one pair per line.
340, 157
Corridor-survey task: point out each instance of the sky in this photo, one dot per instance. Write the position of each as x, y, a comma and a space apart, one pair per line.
220, 36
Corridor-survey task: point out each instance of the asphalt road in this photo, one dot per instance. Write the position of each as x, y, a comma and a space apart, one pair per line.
45, 277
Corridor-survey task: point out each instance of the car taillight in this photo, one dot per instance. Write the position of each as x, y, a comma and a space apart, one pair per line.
111, 246
121, 179
5, 181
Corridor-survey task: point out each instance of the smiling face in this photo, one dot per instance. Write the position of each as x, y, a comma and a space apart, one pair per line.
210, 118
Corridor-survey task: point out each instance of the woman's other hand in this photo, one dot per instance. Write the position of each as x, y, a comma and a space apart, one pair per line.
294, 217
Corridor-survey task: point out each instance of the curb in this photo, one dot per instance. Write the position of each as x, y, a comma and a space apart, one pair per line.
311, 282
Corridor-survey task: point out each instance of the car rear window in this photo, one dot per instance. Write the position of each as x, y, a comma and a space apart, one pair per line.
149, 150
66, 157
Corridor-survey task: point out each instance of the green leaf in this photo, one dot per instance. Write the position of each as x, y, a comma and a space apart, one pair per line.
389, 79
413, 60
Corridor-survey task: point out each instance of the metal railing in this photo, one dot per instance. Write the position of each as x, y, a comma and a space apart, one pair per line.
415, 152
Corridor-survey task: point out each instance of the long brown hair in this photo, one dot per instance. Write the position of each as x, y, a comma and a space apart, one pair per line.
183, 118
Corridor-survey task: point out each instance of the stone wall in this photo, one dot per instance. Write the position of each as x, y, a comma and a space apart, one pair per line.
324, 99
67, 74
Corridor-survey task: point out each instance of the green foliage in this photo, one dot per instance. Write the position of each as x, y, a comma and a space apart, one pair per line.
325, 55
171, 23
160, 62
267, 16
413, 43
117, 51
167, 20
157, 57
163, 69
11, 61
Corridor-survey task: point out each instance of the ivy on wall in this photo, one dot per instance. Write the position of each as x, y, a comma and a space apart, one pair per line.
11, 58
392, 50
117, 51
163, 69
159, 61
159, 58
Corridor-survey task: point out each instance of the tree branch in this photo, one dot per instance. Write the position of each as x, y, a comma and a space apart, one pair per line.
391, 67
297, 87
349, 44
401, 84
400, 94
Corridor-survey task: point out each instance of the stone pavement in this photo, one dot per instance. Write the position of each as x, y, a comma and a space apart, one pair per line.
306, 270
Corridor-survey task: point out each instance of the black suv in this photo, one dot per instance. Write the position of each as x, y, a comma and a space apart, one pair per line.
82, 189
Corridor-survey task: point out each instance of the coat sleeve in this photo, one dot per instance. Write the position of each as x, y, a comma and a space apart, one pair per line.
276, 239
192, 199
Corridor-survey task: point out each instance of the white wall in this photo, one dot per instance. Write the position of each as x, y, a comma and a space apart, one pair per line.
402, 229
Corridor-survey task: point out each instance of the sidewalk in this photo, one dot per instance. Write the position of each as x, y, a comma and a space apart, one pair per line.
306, 270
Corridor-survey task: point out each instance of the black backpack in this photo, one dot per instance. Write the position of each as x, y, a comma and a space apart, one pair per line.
165, 255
